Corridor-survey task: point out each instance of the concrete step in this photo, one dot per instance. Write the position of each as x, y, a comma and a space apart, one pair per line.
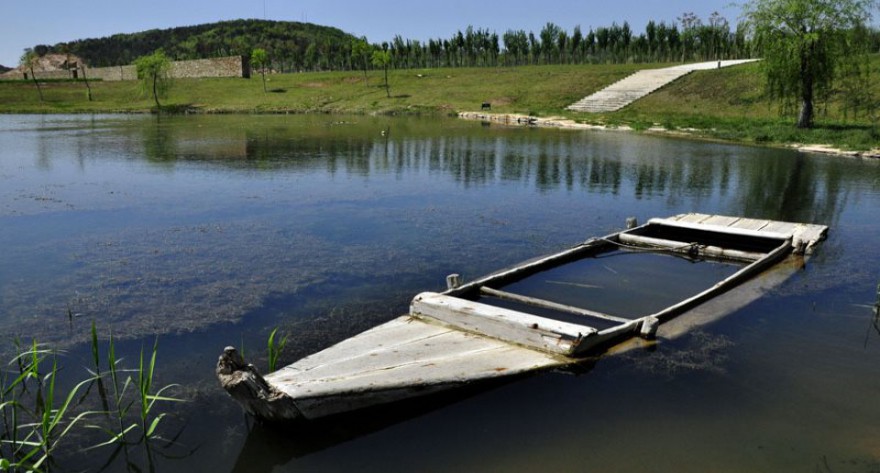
641, 83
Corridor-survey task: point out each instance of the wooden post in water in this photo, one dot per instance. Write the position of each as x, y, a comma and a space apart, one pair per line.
256, 396
649, 328
453, 281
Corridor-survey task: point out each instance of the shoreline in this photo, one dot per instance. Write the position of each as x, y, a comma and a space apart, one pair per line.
507, 119
513, 119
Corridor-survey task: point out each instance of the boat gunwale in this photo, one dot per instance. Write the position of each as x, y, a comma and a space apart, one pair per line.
595, 339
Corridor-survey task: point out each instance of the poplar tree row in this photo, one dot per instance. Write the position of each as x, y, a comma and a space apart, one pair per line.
689, 40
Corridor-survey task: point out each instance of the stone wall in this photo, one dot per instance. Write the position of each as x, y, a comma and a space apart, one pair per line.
114, 73
231, 66
17, 74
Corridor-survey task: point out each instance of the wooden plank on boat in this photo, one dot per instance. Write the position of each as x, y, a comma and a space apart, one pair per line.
721, 229
751, 223
413, 380
781, 227
806, 232
403, 330
515, 327
720, 220
441, 361
356, 357
691, 217
415, 358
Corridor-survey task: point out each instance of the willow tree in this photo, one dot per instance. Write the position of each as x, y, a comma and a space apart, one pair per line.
28, 61
259, 60
361, 52
382, 58
153, 72
804, 43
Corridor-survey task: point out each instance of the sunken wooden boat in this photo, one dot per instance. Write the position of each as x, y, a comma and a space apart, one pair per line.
541, 314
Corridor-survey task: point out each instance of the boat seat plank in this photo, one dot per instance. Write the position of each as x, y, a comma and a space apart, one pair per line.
731, 230
773, 226
809, 233
515, 327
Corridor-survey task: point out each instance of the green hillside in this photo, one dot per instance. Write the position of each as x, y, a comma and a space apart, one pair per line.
287, 42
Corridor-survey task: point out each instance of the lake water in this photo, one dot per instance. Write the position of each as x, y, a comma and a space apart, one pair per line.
213, 230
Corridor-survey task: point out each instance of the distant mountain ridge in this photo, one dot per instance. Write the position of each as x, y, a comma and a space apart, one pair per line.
290, 44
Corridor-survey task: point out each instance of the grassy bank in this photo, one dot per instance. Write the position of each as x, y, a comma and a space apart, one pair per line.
727, 104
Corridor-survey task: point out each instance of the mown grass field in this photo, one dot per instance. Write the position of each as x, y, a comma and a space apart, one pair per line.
728, 104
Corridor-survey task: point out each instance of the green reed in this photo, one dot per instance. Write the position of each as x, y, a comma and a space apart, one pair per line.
34, 430
274, 348
147, 398
38, 414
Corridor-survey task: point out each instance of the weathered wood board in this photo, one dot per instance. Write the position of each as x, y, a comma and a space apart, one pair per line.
403, 358
503, 324
810, 234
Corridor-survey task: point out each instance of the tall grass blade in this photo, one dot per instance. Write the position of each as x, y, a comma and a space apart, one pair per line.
96, 357
275, 349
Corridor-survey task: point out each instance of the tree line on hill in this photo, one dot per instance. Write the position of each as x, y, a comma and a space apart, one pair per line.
813, 49
290, 42
294, 46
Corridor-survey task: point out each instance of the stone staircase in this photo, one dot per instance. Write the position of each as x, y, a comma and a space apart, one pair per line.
631, 88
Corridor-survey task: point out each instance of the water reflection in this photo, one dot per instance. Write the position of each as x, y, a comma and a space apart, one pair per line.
792, 187
269, 446
779, 184
312, 186
875, 322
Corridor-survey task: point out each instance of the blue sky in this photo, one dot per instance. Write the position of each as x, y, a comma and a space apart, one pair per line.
25, 24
